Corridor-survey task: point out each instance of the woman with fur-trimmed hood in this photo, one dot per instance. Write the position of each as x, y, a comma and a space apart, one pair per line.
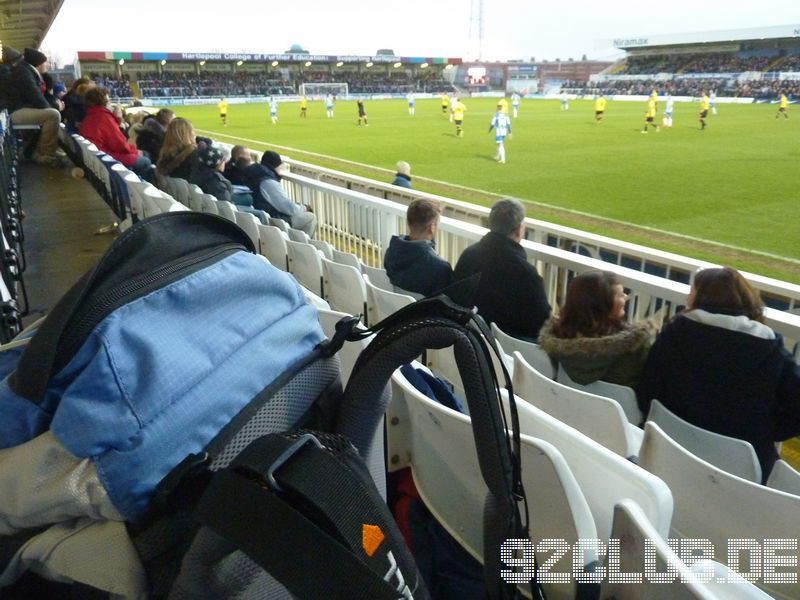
590, 338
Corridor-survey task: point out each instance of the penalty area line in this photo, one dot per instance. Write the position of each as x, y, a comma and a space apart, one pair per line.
643, 228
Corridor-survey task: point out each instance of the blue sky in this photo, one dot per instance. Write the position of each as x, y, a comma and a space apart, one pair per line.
512, 28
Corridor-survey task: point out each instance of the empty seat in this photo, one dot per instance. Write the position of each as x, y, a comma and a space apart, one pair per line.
441, 447
322, 246
250, 226
344, 287
735, 456
305, 264
635, 534
712, 504
227, 210
279, 223
382, 303
784, 478
621, 393
605, 477
273, 246
378, 277
598, 417
195, 198
346, 258
298, 236
531, 352
210, 204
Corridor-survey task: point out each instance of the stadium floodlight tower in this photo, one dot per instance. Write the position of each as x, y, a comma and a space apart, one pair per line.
476, 27
313, 90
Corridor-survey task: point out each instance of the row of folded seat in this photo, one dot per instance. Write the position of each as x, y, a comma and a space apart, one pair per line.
579, 446
13, 295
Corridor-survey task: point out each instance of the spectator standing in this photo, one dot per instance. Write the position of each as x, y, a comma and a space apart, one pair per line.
28, 106
511, 291
590, 338
718, 366
411, 261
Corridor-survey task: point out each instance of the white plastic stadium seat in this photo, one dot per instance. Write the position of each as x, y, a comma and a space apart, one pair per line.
305, 264
621, 393
250, 226
298, 236
444, 463
712, 504
344, 288
531, 352
598, 417
735, 456
227, 210
785, 478
273, 246
210, 204
605, 477
346, 258
378, 277
382, 303
350, 351
322, 246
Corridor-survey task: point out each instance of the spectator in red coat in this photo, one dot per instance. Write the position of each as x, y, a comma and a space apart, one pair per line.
100, 127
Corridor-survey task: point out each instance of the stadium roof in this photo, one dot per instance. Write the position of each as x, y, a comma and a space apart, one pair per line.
704, 37
24, 23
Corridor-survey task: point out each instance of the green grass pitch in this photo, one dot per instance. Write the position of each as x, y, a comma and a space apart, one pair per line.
736, 183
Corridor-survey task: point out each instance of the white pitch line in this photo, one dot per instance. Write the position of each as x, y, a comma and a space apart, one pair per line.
684, 236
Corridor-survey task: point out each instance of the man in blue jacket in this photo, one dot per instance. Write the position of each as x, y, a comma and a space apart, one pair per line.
411, 261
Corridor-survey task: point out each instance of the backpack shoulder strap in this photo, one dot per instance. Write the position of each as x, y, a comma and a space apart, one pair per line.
322, 506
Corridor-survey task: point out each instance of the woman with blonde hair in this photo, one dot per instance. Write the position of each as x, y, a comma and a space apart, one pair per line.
178, 155
719, 366
590, 338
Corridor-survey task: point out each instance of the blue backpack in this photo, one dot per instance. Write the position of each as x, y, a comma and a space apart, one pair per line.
180, 350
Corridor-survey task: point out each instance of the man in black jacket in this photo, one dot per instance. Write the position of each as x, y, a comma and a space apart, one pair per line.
28, 105
511, 291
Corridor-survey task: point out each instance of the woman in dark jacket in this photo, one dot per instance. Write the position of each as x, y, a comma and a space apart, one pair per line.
178, 155
590, 338
718, 366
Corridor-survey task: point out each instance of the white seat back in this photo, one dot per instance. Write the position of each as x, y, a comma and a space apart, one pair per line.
298, 236
346, 258
249, 224
382, 303
322, 246
344, 288
634, 532
621, 393
597, 417
209, 204
444, 463
785, 478
378, 277
280, 224
306, 266
605, 477
729, 454
227, 210
713, 504
195, 198
533, 354
273, 246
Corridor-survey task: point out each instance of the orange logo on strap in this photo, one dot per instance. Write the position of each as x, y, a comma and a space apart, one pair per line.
371, 538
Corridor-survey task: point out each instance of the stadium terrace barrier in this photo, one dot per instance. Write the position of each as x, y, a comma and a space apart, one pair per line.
777, 294
363, 224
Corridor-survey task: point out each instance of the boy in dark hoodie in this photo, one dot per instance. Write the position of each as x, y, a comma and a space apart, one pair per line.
411, 261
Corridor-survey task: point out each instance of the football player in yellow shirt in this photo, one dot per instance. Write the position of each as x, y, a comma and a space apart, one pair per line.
303, 107
650, 115
600, 107
458, 116
445, 103
705, 104
223, 110
783, 104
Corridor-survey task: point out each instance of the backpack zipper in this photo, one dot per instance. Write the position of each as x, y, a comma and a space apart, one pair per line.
79, 330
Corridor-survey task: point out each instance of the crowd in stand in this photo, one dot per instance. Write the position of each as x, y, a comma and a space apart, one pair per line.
706, 63
687, 87
155, 85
